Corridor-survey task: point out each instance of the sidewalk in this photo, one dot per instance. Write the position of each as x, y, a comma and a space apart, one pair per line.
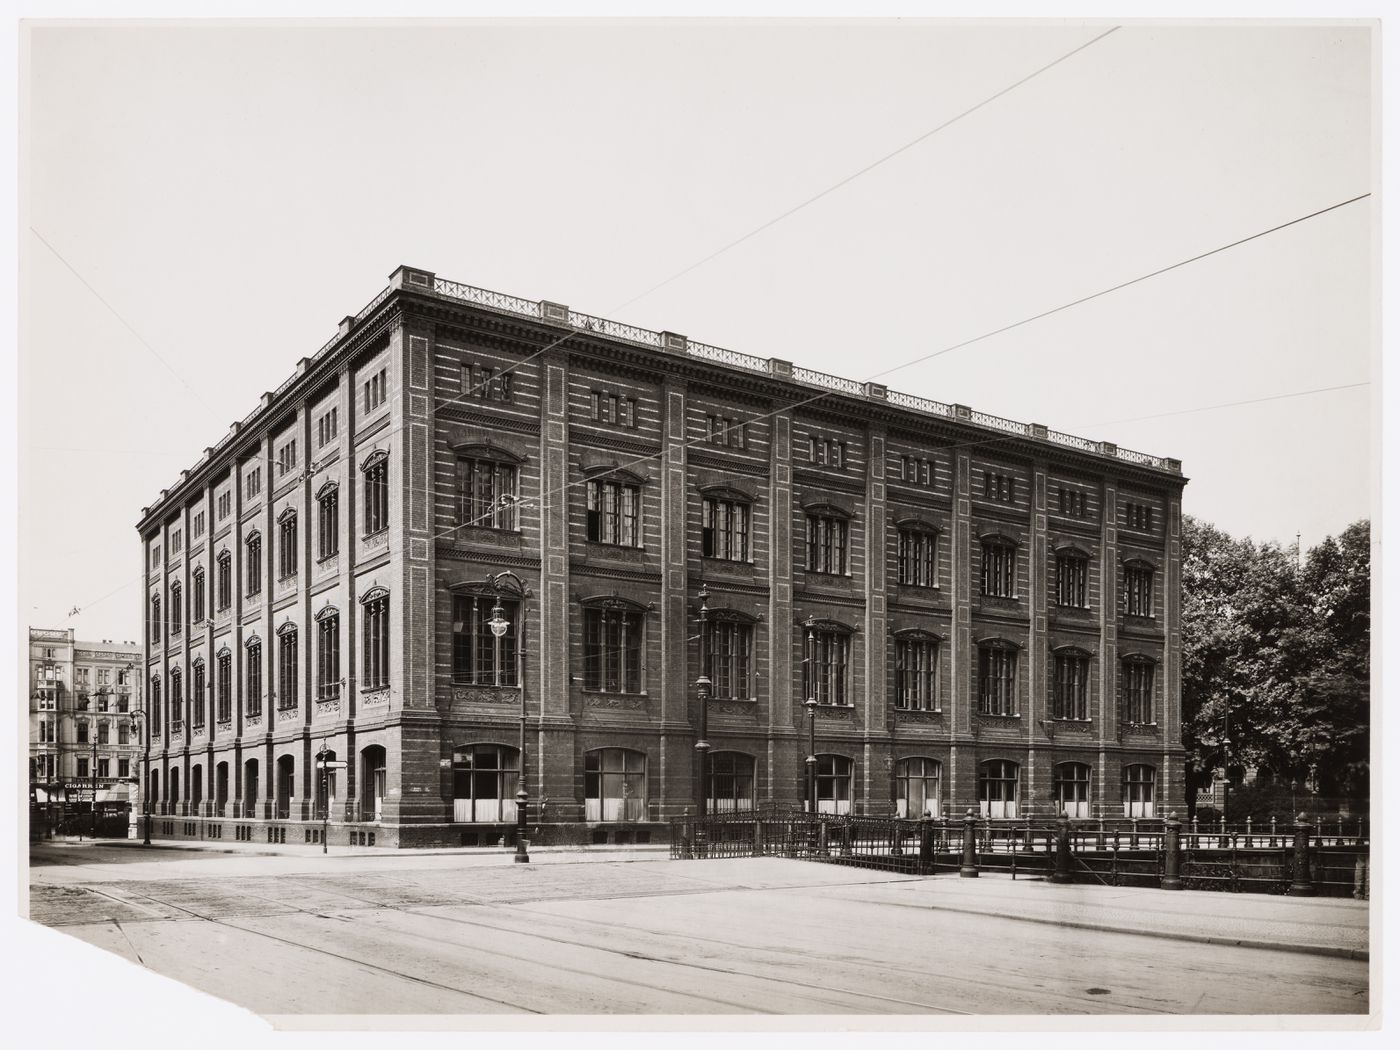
259, 849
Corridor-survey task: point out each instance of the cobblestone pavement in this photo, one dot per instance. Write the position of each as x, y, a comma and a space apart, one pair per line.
575, 933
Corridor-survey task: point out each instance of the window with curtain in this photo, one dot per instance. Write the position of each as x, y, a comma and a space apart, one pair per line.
998, 568
1137, 679
730, 781
827, 544
917, 787
612, 650
1071, 698
996, 678
826, 671
614, 785
727, 657
486, 493
918, 557
998, 788
916, 673
1072, 580
724, 529
478, 656
614, 513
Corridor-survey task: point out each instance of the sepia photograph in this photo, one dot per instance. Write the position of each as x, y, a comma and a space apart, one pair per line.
832, 521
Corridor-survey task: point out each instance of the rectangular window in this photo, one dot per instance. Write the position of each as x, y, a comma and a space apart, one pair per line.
177, 621
327, 427
198, 698
996, 675
253, 683
287, 547
328, 658
825, 675
375, 620
916, 674
375, 390
177, 543
999, 487
155, 559
377, 497
104, 767
918, 558
826, 544
253, 485
1072, 503
478, 656
724, 529
224, 505
1137, 692
616, 409
197, 602
1137, 591
487, 494
486, 382
83, 766
998, 569
287, 671
1072, 580
614, 513
1071, 686
328, 523
82, 732
724, 430
287, 458
197, 525
123, 768
612, 650
728, 658
123, 733
104, 733
255, 569
156, 625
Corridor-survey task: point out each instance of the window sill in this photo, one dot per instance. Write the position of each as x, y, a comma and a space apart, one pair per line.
919, 586
604, 546
606, 692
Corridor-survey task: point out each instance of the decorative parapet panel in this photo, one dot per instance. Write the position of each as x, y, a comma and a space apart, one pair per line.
485, 694
252, 722
609, 702
374, 697
286, 714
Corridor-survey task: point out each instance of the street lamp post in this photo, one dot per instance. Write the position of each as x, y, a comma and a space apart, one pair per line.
703, 687
811, 705
322, 760
499, 626
138, 715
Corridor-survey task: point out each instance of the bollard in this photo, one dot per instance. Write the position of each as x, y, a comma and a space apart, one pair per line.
1302, 859
969, 861
1171, 842
1064, 869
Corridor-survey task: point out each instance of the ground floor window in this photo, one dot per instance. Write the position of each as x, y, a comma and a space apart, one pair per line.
1072, 788
372, 782
615, 786
730, 781
916, 787
485, 778
1139, 791
998, 788
834, 783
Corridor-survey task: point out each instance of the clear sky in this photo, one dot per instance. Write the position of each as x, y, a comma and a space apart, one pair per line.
233, 192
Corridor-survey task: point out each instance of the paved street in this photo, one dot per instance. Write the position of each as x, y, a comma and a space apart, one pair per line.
379, 932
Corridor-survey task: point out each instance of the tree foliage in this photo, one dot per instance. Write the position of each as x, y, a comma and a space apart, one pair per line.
1278, 657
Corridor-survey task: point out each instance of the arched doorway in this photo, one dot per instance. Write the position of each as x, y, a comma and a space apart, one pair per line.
173, 784
372, 782
220, 788
196, 788
250, 788
286, 786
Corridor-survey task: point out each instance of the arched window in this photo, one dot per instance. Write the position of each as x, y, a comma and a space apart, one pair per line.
998, 567
485, 778
917, 790
730, 786
1137, 588
327, 654
726, 653
1072, 781
328, 520
253, 682
287, 544
223, 686
614, 633
996, 677
614, 509
487, 480
1137, 677
177, 699
826, 662
197, 696
1139, 791
286, 667
478, 656
724, 525
374, 652
916, 671
1071, 578
614, 785
224, 580
828, 531
155, 702
197, 598
918, 555
254, 559
1071, 699
177, 622
998, 788
833, 784
376, 500
156, 625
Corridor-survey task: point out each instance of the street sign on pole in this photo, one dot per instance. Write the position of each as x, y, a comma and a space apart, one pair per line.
330, 765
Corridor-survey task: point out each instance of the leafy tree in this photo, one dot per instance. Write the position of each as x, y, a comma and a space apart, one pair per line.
1277, 657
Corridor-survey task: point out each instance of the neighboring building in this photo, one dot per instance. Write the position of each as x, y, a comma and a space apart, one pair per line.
83, 732
987, 613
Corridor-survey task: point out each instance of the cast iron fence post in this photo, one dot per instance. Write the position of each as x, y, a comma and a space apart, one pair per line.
1064, 868
846, 839
969, 847
1302, 859
1171, 843
925, 844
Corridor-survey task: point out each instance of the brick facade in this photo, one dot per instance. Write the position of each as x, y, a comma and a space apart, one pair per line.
872, 461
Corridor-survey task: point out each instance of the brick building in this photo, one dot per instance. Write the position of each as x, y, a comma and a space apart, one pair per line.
84, 728
987, 613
